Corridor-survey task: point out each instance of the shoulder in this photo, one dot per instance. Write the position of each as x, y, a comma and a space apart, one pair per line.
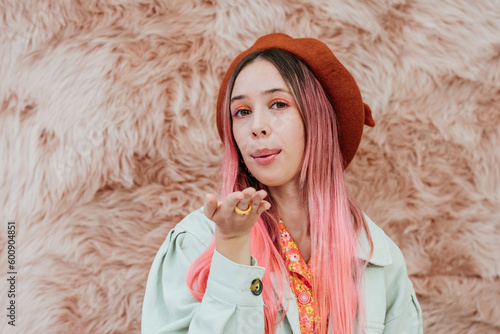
187, 240
197, 225
386, 277
167, 276
385, 252
387, 263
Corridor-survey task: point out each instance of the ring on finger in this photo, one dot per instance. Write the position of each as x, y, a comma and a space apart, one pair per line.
243, 212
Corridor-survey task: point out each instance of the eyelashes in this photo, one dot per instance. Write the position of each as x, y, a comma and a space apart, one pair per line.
275, 104
279, 104
241, 112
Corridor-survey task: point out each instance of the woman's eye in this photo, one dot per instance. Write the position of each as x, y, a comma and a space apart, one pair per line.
241, 113
279, 105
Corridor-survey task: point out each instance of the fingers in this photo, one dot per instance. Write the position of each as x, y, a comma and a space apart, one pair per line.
263, 206
259, 203
248, 195
241, 199
211, 204
255, 199
231, 223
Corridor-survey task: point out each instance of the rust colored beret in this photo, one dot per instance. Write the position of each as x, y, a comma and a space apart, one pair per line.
352, 112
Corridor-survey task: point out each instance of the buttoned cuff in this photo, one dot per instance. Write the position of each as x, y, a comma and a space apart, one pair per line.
231, 281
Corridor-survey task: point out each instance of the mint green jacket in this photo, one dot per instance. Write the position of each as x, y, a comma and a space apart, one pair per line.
230, 307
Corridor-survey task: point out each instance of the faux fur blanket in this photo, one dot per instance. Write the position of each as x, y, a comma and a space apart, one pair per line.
108, 139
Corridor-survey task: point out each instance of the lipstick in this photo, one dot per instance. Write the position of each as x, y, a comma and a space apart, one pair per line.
265, 156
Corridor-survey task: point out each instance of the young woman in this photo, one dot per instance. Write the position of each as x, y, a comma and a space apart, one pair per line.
286, 250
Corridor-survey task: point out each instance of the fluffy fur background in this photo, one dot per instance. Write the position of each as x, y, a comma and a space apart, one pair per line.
109, 139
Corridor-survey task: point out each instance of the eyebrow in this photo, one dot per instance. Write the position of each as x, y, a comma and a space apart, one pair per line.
266, 92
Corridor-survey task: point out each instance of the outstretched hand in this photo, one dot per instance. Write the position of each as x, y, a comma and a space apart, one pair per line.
231, 224
232, 231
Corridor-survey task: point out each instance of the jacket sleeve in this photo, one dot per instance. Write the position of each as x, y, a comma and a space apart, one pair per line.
403, 313
228, 305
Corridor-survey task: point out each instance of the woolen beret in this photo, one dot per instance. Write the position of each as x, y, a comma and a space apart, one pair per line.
352, 113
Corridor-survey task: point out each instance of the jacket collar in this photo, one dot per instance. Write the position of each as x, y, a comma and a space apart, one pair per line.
381, 252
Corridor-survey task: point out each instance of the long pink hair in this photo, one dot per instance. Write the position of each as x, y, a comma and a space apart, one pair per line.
335, 219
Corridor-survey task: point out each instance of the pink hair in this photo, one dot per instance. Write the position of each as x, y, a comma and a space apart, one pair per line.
336, 269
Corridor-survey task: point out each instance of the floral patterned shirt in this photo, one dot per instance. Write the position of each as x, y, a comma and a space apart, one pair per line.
300, 282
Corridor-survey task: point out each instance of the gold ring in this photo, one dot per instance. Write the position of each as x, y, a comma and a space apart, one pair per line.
243, 212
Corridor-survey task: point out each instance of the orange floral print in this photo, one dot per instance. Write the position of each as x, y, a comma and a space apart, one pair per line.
300, 282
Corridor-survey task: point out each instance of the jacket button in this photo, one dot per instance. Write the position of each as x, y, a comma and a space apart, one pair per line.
304, 298
256, 287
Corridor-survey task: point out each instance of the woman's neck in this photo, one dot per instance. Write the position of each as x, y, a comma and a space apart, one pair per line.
293, 212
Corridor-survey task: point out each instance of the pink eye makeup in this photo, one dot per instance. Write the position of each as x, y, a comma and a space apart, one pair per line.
240, 110
279, 104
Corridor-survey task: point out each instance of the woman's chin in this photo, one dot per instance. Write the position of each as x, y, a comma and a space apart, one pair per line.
268, 180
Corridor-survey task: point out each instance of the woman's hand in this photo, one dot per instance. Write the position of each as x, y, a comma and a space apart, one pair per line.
232, 231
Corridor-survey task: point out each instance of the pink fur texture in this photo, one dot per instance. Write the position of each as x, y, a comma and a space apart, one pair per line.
108, 138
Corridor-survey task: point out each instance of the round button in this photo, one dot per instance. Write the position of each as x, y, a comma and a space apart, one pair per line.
304, 298
256, 287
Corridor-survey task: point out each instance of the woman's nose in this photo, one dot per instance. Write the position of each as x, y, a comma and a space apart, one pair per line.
260, 124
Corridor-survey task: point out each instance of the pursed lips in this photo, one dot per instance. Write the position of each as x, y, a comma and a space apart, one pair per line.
265, 156
262, 153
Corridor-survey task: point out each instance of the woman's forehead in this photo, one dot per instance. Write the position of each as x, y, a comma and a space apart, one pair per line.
260, 75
